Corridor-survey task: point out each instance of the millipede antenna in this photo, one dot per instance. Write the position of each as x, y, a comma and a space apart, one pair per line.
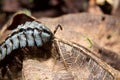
56, 28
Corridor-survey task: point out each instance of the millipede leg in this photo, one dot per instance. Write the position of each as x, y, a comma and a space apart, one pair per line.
3, 71
25, 50
18, 60
9, 73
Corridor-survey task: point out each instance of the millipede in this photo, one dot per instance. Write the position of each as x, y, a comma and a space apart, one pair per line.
28, 34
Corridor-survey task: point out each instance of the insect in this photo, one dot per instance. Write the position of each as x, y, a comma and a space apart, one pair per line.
29, 34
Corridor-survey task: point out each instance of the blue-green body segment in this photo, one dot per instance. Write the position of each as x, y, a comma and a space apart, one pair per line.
30, 34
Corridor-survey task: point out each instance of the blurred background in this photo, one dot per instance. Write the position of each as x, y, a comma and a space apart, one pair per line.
100, 34
54, 8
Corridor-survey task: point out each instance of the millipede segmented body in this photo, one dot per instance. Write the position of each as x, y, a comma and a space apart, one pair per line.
29, 34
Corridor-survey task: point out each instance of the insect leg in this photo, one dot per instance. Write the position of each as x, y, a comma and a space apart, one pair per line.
18, 60
9, 73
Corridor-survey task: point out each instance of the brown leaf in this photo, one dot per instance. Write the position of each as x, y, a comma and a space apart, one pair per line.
73, 63
75, 28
